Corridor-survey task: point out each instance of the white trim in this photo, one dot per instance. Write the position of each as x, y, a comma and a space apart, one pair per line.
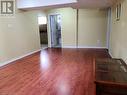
110, 54
48, 31
54, 14
20, 57
109, 27
126, 60
69, 47
84, 47
92, 47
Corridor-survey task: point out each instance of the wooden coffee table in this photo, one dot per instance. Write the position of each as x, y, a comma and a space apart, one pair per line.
110, 77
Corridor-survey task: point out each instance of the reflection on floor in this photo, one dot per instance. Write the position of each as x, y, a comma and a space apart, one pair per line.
44, 46
52, 72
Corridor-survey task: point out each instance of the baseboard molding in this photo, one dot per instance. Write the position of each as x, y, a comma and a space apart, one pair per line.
20, 57
69, 47
110, 54
126, 60
94, 47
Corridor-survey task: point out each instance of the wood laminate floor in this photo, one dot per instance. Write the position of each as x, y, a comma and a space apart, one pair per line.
51, 72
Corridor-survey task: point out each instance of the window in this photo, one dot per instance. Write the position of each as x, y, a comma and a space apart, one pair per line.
42, 20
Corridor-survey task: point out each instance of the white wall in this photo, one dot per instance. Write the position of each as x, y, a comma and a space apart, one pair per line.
118, 38
18, 35
68, 16
92, 28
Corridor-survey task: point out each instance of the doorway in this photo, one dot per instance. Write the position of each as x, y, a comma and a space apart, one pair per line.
55, 30
42, 21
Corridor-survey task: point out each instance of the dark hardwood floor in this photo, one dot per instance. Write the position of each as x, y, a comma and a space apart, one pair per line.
51, 72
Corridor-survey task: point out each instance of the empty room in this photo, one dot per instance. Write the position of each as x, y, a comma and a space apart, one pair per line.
63, 47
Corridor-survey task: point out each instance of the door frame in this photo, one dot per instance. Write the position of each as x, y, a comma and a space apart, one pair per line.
109, 28
49, 30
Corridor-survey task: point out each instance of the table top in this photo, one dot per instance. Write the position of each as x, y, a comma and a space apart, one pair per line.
111, 70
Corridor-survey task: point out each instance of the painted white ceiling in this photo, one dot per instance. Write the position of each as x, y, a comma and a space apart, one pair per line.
41, 3
46, 4
94, 3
